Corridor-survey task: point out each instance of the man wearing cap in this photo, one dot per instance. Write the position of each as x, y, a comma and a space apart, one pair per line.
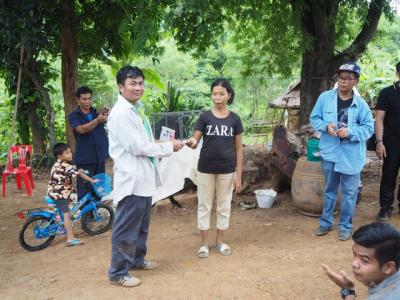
387, 133
345, 122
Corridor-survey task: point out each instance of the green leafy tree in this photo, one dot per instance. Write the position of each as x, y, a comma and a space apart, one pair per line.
22, 26
273, 33
89, 29
378, 63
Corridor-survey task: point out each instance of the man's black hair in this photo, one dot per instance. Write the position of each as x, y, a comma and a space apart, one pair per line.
398, 67
383, 238
83, 90
59, 148
128, 72
224, 83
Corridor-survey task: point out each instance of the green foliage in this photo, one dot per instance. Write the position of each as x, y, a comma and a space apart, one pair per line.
98, 77
31, 26
257, 45
257, 27
173, 101
104, 23
5, 121
378, 63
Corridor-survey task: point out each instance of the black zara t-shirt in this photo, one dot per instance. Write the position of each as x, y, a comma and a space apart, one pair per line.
218, 153
389, 102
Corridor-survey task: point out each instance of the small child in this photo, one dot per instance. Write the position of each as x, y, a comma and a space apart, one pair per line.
60, 186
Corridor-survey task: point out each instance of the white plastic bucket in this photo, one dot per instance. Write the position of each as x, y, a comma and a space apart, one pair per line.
265, 198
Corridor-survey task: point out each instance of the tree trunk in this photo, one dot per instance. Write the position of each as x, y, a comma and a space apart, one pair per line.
32, 71
319, 60
316, 76
37, 128
317, 68
69, 62
50, 115
23, 125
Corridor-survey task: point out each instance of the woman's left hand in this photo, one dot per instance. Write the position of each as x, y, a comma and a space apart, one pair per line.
237, 184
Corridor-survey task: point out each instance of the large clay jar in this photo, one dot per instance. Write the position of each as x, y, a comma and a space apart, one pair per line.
308, 188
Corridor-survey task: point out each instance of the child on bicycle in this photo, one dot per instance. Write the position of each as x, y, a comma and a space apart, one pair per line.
60, 186
219, 168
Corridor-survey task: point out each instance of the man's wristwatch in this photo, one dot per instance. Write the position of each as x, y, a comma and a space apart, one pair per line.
347, 292
378, 141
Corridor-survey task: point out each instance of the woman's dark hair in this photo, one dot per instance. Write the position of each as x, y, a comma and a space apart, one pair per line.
225, 84
128, 72
59, 148
398, 67
383, 238
83, 90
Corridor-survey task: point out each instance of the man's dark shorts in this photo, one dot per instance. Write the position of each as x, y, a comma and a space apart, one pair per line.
63, 205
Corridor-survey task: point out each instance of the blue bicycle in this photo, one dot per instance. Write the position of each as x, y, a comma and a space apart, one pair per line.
42, 226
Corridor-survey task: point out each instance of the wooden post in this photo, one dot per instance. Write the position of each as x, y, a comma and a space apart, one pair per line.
17, 97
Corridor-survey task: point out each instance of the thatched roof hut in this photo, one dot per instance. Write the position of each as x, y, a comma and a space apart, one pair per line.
290, 98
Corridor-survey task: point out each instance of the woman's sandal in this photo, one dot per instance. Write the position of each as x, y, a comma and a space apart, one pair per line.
224, 249
203, 252
75, 242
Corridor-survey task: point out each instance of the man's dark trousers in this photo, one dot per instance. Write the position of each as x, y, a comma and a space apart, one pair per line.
94, 169
390, 169
129, 235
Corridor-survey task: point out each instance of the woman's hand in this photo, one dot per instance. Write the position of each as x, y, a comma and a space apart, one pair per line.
192, 143
237, 184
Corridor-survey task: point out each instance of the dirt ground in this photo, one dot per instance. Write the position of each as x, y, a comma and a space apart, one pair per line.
275, 256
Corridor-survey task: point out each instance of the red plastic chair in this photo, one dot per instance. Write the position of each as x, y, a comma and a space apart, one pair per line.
22, 171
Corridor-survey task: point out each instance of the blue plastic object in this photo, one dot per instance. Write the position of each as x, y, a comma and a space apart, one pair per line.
49, 201
103, 186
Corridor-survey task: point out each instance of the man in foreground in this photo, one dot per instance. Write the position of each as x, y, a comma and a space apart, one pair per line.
345, 122
136, 175
376, 262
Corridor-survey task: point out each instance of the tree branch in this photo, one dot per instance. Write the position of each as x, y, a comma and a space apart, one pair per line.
359, 45
320, 19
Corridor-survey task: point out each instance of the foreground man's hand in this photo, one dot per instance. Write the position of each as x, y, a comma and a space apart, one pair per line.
341, 279
177, 145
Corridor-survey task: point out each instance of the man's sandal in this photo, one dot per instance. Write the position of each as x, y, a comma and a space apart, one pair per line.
203, 252
224, 249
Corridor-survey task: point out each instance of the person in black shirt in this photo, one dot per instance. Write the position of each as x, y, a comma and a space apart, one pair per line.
87, 124
343, 112
387, 132
220, 163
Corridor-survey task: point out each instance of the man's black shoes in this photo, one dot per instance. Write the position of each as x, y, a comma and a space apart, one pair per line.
384, 215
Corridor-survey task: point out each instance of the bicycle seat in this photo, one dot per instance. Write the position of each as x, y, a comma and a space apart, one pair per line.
50, 202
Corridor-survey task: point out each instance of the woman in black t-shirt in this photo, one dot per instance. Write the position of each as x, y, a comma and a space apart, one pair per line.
219, 169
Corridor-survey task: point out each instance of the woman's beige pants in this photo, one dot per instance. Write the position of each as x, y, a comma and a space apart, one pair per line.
220, 188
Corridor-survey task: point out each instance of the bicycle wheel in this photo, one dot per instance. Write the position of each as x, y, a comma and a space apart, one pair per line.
27, 237
93, 227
